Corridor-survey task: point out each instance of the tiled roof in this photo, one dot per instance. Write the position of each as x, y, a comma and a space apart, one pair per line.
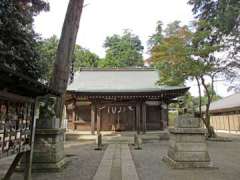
118, 80
227, 103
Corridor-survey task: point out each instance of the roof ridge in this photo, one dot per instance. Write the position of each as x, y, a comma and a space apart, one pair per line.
117, 69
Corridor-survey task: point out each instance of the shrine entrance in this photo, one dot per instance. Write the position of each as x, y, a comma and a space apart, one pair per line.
118, 117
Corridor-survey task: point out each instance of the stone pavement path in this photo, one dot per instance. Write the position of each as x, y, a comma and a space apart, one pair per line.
117, 164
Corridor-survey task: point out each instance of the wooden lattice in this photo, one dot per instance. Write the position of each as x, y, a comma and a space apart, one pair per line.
15, 126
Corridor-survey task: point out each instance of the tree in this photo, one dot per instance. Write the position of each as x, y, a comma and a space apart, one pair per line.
212, 91
157, 37
123, 51
172, 28
224, 23
204, 46
172, 55
84, 58
65, 51
184, 54
18, 41
48, 48
223, 15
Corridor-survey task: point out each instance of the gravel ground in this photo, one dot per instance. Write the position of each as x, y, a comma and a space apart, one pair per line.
83, 162
225, 156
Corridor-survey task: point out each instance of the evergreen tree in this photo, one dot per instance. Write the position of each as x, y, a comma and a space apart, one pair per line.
18, 41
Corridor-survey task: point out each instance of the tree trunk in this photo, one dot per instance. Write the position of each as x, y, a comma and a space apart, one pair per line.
200, 96
206, 119
64, 54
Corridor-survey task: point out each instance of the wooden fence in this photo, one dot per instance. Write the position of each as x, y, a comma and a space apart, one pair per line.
17, 130
230, 122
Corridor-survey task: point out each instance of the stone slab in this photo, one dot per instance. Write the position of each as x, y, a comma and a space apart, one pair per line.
49, 167
117, 164
183, 165
189, 156
128, 167
186, 121
104, 169
187, 130
186, 146
188, 138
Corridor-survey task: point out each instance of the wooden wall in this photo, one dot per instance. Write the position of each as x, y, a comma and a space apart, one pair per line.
227, 122
154, 120
109, 121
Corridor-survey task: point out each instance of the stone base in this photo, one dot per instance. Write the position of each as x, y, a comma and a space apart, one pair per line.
184, 165
48, 154
49, 167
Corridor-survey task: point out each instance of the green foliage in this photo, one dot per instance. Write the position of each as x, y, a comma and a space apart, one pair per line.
18, 41
172, 28
172, 55
123, 51
191, 103
183, 54
84, 58
172, 115
223, 15
48, 48
157, 37
223, 18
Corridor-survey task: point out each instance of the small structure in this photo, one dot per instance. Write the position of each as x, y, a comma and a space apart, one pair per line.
225, 114
18, 114
123, 99
187, 145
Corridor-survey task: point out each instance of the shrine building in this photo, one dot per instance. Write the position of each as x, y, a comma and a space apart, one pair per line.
124, 99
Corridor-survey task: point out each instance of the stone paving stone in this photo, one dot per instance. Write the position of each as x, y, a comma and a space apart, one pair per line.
117, 164
128, 167
105, 167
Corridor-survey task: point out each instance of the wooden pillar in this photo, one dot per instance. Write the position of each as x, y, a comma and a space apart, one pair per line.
74, 115
133, 117
138, 117
144, 117
167, 119
93, 118
98, 121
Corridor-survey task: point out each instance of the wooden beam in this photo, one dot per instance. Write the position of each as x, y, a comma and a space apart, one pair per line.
28, 165
98, 121
29, 154
15, 97
13, 166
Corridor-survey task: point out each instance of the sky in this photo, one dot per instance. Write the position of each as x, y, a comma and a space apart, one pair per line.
102, 18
